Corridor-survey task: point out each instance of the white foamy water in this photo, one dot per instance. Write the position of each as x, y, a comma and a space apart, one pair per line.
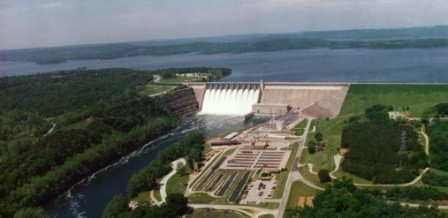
229, 101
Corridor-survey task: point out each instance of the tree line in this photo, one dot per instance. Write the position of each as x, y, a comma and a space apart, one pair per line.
120, 50
438, 135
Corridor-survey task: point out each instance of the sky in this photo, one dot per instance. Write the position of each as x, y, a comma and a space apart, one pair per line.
42, 23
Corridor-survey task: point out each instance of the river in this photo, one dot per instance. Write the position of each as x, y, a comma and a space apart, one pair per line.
90, 197
311, 65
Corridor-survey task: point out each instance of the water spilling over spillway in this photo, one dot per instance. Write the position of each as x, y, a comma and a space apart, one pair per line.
229, 101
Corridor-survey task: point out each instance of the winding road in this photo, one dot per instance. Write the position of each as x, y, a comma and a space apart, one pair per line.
164, 181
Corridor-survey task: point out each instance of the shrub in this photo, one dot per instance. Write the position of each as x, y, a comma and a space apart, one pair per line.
324, 176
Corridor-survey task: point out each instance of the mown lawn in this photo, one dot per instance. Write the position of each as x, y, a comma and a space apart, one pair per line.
310, 177
299, 189
154, 88
177, 183
143, 198
157, 195
417, 97
300, 127
202, 198
200, 213
340, 173
331, 131
181, 79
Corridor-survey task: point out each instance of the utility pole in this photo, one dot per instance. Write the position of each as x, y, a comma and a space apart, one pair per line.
403, 149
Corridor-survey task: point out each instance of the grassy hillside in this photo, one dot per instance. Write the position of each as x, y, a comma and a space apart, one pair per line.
361, 96
417, 97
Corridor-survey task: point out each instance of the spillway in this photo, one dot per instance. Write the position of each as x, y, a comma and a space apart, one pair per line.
323, 100
231, 100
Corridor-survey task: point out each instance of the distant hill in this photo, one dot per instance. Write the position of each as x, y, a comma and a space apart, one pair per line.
378, 34
355, 34
418, 37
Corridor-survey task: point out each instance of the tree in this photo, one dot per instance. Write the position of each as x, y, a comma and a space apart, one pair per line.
318, 137
178, 202
377, 112
181, 169
118, 205
30, 213
324, 176
311, 147
425, 118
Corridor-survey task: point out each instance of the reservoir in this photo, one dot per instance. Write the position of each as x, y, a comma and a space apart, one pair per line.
427, 65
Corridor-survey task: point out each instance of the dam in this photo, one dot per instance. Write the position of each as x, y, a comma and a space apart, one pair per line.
230, 98
320, 100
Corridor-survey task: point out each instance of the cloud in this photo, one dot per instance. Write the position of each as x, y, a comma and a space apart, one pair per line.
12, 9
51, 5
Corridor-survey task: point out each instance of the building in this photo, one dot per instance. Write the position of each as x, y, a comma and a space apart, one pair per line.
261, 145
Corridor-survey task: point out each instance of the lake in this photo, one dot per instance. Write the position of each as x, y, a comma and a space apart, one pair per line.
311, 65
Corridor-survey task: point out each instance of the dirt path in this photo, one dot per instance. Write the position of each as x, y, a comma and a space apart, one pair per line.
50, 130
393, 185
422, 131
165, 179
337, 162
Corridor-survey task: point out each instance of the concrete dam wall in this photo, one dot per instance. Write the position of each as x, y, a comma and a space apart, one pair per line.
271, 98
183, 101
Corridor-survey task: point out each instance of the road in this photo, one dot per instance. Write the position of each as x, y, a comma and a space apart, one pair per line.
442, 207
294, 174
240, 208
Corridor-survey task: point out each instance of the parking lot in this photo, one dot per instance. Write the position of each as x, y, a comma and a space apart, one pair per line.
258, 191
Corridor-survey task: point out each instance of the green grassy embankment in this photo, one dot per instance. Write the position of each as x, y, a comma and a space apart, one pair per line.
417, 98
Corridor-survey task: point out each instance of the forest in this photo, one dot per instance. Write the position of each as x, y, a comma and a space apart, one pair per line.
382, 150
343, 199
438, 135
57, 128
